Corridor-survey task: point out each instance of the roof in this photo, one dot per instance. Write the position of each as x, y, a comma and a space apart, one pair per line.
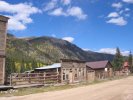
97, 64
55, 65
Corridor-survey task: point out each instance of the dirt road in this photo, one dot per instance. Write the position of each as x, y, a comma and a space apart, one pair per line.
113, 90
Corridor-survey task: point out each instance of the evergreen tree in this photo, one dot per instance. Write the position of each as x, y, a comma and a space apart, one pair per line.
34, 64
22, 66
130, 59
118, 60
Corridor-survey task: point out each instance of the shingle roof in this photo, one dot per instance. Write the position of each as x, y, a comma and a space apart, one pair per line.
97, 64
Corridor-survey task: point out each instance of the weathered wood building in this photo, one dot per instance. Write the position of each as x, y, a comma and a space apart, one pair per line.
103, 69
3, 28
73, 71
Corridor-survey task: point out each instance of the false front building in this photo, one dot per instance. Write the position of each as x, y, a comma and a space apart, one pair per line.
3, 28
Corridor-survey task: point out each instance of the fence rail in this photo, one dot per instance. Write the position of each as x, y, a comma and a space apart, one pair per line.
33, 78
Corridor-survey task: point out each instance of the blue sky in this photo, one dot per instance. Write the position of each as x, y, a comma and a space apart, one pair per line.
98, 25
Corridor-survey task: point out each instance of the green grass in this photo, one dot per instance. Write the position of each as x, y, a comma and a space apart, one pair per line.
27, 91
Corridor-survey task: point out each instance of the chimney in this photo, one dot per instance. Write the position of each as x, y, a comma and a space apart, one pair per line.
3, 31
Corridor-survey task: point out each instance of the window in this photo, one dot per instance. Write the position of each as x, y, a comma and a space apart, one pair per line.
66, 76
63, 76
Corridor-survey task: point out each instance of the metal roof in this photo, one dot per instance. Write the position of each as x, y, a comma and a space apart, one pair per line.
55, 65
97, 64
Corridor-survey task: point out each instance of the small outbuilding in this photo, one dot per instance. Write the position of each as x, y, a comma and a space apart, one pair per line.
103, 69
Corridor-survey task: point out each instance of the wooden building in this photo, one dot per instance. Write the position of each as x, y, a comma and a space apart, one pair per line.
3, 28
125, 68
73, 71
103, 69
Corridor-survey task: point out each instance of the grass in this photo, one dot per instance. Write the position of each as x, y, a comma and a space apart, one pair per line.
27, 91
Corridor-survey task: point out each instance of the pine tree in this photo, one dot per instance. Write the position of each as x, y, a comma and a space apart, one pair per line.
34, 64
130, 59
118, 60
22, 66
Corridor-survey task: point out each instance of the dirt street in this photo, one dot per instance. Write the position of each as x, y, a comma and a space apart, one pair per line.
113, 90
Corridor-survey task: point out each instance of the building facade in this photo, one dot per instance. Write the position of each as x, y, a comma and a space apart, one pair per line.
3, 28
72, 71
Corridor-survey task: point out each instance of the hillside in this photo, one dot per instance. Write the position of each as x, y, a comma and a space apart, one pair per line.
46, 50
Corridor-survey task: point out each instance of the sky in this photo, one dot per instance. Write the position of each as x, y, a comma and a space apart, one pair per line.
97, 25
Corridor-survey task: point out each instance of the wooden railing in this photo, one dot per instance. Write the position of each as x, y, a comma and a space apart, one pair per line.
33, 78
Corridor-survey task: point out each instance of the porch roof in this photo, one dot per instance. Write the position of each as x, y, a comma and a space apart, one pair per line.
55, 65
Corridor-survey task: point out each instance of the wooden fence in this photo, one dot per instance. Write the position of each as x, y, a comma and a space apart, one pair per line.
34, 78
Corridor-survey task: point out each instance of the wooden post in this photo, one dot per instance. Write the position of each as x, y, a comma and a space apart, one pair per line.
44, 78
10, 79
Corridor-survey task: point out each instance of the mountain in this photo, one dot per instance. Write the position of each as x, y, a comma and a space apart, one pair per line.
47, 50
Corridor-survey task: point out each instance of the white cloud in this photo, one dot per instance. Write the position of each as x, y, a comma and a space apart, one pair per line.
73, 11
66, 2
112, 51
15, 24
113, 14
69, 39
58, 12
19, 14
127, 9
76, 12
51, 5
86, 49
118, 21
64, 9
128, 1
117, 5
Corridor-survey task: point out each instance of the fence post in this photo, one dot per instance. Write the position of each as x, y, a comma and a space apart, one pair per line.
44, 74
10, 79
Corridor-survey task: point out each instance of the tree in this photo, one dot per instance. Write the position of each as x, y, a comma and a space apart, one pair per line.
118, 60
130, 59
22, 66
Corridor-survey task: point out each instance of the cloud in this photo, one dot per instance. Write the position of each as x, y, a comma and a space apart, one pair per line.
113, 14
86, 49
19, 14
50, 5
127, 9
73, 11
128, 1
58, 12
69, 39
66, 2
117, 5
64, 9
76, 12
112, 51
118, 21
